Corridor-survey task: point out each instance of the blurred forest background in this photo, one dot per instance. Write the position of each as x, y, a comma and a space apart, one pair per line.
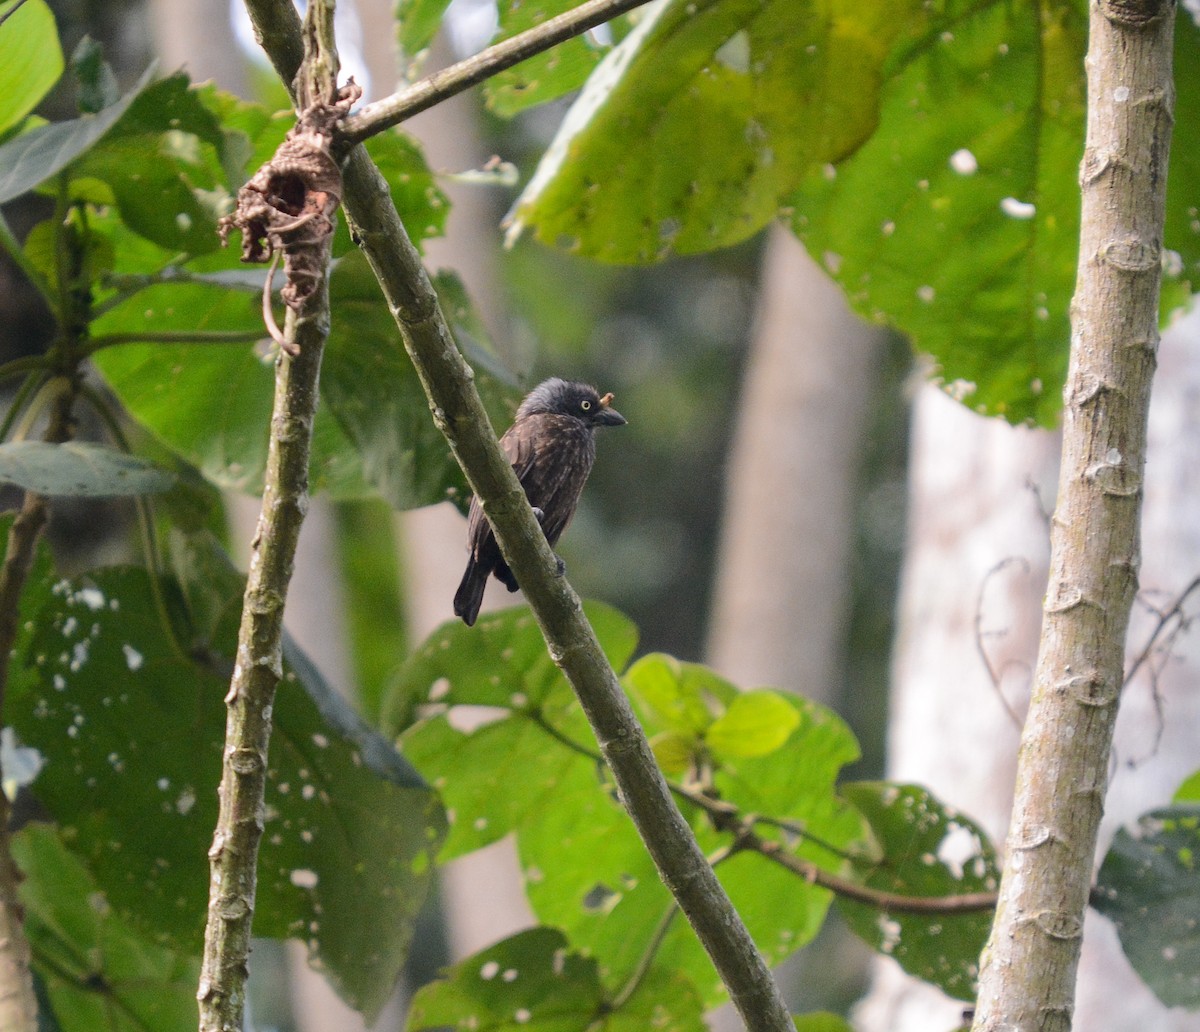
782, 459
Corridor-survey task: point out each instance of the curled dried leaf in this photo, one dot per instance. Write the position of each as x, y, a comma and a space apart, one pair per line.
289, 204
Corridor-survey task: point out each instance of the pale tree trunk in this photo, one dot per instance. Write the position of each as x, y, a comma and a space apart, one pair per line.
973, 507
781, 596
781, 599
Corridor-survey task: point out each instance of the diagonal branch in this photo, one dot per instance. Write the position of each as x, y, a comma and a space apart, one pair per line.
423, 94
570, 640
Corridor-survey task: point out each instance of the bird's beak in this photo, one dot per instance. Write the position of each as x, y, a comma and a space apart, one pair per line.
608, 416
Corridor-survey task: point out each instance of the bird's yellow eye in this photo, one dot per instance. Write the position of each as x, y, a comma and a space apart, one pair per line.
585, 405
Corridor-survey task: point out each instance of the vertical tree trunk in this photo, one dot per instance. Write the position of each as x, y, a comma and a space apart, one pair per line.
779, 606
1027, 973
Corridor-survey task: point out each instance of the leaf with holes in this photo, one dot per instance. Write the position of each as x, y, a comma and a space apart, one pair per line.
1149, 888
958, 221
107, 697
534, 979
928, 850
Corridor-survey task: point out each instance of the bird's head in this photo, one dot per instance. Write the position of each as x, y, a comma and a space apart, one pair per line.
567, 398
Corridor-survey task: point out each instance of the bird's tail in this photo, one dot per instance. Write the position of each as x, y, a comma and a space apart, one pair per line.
469, 596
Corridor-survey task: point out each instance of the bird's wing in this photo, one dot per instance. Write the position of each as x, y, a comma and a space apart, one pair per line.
518, 447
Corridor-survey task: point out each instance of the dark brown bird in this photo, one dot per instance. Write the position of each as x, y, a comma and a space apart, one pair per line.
551, 446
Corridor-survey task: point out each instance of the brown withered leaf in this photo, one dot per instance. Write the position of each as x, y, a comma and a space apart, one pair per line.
288, 206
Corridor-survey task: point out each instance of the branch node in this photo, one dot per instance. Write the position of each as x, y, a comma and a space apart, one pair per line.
1131, 254
1089, 689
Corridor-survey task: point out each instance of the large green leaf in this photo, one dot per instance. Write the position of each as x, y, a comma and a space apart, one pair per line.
958, 221
34, 157
534, 980
31, 59
212, 403
502, 663
78, 469
132, 730
691, 132
1181, 234
376, 398
530, 767
98, 971
1149, 886
928, 850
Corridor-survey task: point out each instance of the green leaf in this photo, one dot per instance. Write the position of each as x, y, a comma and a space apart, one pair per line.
1149, 887
1181, 233
822, 1021
534, 979
928, 850
1189, 791
587, 872
501, 661
34, 157
422, 204
681, 696
78, 469
417, 22
754, 724
97, 83
376, 622
778, 86
31, 59
958, 221
108, 700
528, 764
97, 970
212, 403
529, 980
374, 394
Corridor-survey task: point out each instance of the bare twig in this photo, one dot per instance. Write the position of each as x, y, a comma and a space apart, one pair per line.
374, 118
994, 675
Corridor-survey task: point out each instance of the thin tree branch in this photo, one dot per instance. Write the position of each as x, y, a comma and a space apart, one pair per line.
1028, 969
259, 667
1165, 616
423, 94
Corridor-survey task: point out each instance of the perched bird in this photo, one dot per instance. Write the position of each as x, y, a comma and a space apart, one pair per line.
551, 446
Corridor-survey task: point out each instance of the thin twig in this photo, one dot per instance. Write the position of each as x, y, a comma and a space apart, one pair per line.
423, 94
1165, 616
726, 816
994, 675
